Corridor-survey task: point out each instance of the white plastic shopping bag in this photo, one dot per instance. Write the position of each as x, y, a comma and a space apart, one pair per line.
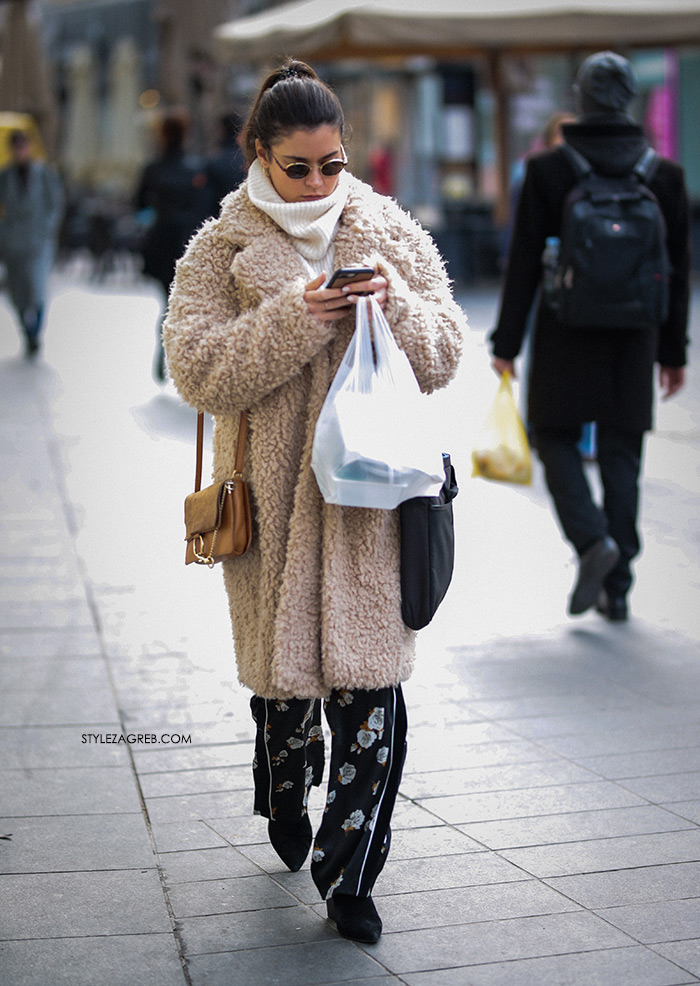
373, 444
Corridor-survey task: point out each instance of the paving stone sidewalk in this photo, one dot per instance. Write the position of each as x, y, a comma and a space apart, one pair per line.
548, 827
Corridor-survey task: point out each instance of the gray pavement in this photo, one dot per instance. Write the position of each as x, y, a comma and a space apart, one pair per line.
548, 827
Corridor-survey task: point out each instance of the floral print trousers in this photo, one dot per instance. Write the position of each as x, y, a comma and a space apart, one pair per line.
368, 749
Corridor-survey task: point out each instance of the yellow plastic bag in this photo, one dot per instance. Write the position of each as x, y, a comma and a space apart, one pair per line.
504, 451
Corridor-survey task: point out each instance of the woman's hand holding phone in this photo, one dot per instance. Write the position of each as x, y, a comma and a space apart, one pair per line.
330, 303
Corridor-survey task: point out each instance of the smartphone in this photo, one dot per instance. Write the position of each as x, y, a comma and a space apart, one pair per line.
347, 275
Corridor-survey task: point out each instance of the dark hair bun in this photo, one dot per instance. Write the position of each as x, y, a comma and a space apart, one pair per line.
292, 97
293, 69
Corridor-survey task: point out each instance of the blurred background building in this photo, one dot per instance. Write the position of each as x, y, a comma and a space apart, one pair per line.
438, 121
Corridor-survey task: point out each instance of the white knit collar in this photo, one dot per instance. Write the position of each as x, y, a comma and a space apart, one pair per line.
311, 224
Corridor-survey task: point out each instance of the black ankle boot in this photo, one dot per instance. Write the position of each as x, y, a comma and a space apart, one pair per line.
613, 607
355, 917
291, 842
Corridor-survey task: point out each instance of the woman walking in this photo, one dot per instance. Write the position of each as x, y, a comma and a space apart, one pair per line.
315, 603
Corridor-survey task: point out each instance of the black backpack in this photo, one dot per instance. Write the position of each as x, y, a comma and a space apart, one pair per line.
612, 269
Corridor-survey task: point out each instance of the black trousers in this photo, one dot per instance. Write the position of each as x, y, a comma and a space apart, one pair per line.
368, 750
582, 520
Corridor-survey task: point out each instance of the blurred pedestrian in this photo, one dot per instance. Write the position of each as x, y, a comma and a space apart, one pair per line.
173, 188
551, 136
316, 601
31, 204
601, 375
225, 169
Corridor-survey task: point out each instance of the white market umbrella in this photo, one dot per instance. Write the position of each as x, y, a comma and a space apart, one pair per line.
122, 155
82, 142
357, 28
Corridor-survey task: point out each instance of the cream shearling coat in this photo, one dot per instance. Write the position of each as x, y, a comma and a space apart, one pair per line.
315, 603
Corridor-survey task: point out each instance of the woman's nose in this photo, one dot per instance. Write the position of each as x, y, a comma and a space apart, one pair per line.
315, 178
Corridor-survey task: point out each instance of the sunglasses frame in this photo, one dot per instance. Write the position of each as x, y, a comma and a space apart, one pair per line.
302, 164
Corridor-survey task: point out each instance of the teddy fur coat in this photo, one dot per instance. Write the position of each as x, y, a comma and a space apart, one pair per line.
316, 602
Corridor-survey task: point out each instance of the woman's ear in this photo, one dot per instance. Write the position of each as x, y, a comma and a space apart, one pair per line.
263, 156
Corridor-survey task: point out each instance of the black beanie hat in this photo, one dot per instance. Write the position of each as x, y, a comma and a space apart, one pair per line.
605, 83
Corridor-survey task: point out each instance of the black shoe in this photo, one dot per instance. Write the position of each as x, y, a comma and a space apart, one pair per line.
291, 842
593, 566
355, 917
613, 608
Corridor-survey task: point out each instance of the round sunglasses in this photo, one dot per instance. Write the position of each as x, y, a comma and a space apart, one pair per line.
298, 170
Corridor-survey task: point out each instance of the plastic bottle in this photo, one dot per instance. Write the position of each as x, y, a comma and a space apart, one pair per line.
550, 262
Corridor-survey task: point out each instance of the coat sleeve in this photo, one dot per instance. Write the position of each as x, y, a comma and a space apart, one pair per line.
524, 267
52, 201
424, 317
223, 359
673, 199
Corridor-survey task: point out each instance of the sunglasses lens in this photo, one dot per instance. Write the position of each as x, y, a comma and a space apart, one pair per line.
297, 170
331, 168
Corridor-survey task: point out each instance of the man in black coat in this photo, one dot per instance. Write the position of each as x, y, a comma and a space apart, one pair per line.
602, 375
174, 187
226, 169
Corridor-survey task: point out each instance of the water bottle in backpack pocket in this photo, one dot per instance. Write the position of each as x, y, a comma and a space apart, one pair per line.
613, 268
550, 271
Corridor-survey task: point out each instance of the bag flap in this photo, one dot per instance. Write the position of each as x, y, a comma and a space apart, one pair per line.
203, 510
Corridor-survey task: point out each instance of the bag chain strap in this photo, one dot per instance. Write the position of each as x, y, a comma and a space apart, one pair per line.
198, 544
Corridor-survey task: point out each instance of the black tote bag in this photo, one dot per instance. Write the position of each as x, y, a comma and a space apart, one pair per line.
427, 551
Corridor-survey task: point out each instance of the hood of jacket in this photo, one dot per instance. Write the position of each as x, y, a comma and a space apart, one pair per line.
612, 147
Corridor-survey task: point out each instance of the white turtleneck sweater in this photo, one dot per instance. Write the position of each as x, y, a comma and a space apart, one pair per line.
311, 225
